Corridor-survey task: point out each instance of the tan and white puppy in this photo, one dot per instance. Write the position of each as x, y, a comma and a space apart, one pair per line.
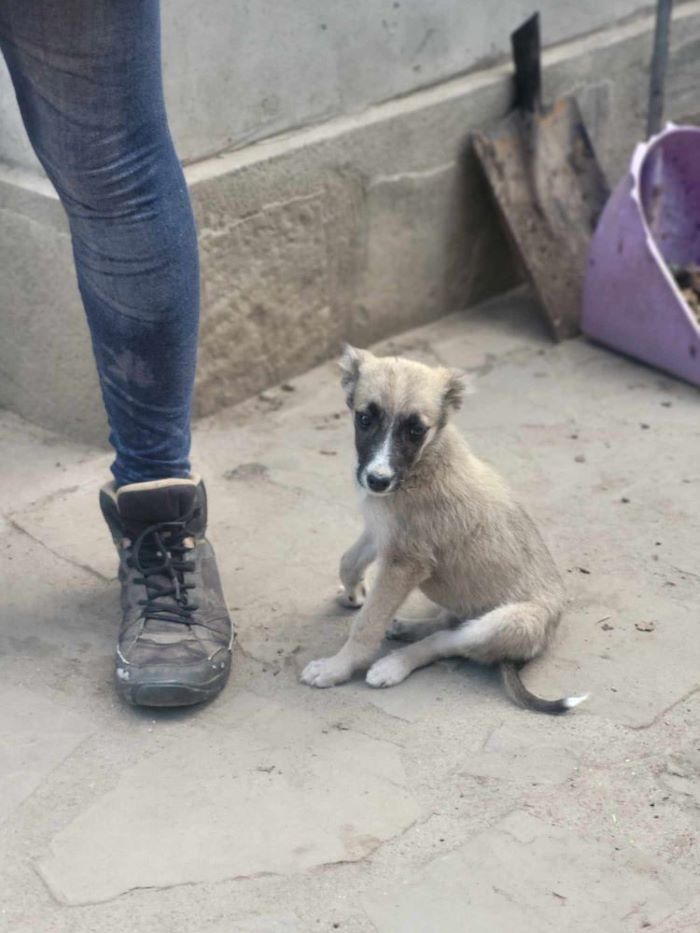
437, 519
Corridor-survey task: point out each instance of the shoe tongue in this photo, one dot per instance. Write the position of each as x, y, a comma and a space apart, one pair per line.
144, 504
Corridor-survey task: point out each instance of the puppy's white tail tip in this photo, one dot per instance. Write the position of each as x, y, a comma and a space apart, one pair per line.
570, 702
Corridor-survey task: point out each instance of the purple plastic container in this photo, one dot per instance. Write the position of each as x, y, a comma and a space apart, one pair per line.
630, 299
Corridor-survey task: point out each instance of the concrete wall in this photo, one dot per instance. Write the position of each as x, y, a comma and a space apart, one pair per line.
242, 70
355, 228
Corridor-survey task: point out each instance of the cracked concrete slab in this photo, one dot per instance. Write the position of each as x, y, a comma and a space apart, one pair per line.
534, 878
58, 620
528, 754
36, 462
36, 734
54, 520
603, 453
266, 801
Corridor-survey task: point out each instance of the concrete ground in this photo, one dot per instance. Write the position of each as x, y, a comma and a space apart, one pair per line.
433, 806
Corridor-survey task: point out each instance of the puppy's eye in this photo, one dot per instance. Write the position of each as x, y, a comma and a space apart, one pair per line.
363, 419
417, 432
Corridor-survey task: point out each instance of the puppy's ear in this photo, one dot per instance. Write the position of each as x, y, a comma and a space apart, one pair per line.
456, 388
350, 363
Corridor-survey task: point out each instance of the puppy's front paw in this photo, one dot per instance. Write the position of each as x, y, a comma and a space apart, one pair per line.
388, 671
352, 597
326, 672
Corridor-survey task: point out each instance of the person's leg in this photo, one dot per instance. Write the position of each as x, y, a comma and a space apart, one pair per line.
88, 82
87, 75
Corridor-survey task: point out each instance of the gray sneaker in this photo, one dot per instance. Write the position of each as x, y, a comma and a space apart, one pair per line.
175, 641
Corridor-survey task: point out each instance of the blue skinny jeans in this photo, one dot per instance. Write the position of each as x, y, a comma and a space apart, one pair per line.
87, 75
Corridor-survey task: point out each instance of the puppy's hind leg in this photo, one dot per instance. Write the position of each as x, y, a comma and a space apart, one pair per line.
517, 631
353, 565
395, 667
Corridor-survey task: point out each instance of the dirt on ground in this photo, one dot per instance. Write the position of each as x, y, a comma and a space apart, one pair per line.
688, 280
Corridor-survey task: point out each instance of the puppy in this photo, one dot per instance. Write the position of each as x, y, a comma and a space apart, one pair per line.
437, 519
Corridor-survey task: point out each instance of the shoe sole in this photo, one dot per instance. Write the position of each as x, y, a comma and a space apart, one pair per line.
156, 690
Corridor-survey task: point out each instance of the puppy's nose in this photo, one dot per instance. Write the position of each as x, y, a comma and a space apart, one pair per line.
378, 483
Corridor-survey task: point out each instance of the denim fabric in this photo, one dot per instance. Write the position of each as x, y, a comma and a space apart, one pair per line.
87, 76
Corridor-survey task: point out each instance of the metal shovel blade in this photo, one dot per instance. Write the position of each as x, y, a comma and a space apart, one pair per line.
548, 186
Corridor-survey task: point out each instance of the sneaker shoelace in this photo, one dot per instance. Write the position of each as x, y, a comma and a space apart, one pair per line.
158, 554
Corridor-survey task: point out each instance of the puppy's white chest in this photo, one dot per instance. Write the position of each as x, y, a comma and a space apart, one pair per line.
379, 520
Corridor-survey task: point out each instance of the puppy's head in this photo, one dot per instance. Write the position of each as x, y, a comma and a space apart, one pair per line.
399, 408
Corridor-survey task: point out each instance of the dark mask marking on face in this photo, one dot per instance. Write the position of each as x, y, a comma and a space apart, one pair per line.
407, 441
407, 436
371, 425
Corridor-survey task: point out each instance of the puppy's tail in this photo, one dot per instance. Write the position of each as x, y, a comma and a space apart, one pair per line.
510, 671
